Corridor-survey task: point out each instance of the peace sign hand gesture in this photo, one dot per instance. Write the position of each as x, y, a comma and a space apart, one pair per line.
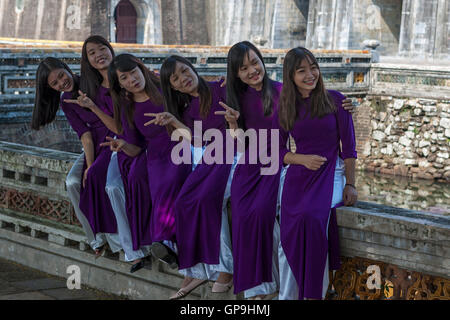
114, 145
231, 115
161, 119
83, 100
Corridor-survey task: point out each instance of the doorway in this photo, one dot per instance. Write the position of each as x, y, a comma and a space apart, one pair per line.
125, 17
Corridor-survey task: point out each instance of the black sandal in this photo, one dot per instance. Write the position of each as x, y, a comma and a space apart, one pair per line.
137, 266
165, 254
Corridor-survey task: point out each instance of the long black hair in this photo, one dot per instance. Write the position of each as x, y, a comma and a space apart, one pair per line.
91, 78
321, 102
175, 101
47, 100
235, 86
123, 100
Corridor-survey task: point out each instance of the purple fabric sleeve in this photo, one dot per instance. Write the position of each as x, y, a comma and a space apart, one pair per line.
131, 134
77, 124
283, 138
345, 127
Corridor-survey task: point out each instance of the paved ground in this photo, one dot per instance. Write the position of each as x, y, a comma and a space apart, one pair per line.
18, 282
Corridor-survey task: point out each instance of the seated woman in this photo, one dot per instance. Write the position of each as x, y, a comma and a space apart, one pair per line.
53, 77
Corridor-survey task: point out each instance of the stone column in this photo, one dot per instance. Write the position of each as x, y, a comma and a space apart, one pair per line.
346, 24
290, 22
329, 24
170, 14
237, 20
442, 46
99, 18
425, 29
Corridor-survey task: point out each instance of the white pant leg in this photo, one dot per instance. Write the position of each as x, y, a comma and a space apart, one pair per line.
338, 188
288, 284
73, 185
115, 190
266, 288
280, 188
198, 272
225, 253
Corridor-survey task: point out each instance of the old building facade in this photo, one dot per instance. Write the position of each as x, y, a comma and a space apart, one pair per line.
414, 28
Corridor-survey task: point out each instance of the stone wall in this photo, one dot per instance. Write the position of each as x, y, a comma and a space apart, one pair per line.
405, 137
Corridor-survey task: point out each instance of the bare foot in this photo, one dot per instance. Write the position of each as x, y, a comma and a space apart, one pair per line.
186, 281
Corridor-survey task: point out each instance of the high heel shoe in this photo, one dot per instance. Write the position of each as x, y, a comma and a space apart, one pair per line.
183, 292
221, 287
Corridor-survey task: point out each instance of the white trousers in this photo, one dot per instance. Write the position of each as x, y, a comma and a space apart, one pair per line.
73, 184
116, 193
288, 284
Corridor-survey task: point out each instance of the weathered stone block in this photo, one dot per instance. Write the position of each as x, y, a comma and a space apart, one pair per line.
57, 239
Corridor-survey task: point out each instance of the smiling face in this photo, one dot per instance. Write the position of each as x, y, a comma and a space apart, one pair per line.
99, 55
60, 80
184, 79
133, 81
252, 71
306, 76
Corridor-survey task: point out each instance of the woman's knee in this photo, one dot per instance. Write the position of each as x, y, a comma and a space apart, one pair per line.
114, 184
73, 182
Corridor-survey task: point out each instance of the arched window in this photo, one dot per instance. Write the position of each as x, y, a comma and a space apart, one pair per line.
126, 18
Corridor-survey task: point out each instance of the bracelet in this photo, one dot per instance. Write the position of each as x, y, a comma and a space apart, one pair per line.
349, 184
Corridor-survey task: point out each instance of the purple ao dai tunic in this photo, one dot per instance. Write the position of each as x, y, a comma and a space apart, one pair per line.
253, 202
307, 194
164, 177
199, 204
94, 201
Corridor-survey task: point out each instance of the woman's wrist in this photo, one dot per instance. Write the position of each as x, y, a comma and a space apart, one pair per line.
299, 159
351, 185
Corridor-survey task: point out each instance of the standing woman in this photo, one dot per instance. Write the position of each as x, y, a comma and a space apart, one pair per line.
203, 237
316, 181
135, 91
121, 171
253, 196
53, 77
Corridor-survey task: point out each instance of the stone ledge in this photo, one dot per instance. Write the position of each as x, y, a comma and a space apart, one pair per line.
409, 224
107, 273
412, 240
